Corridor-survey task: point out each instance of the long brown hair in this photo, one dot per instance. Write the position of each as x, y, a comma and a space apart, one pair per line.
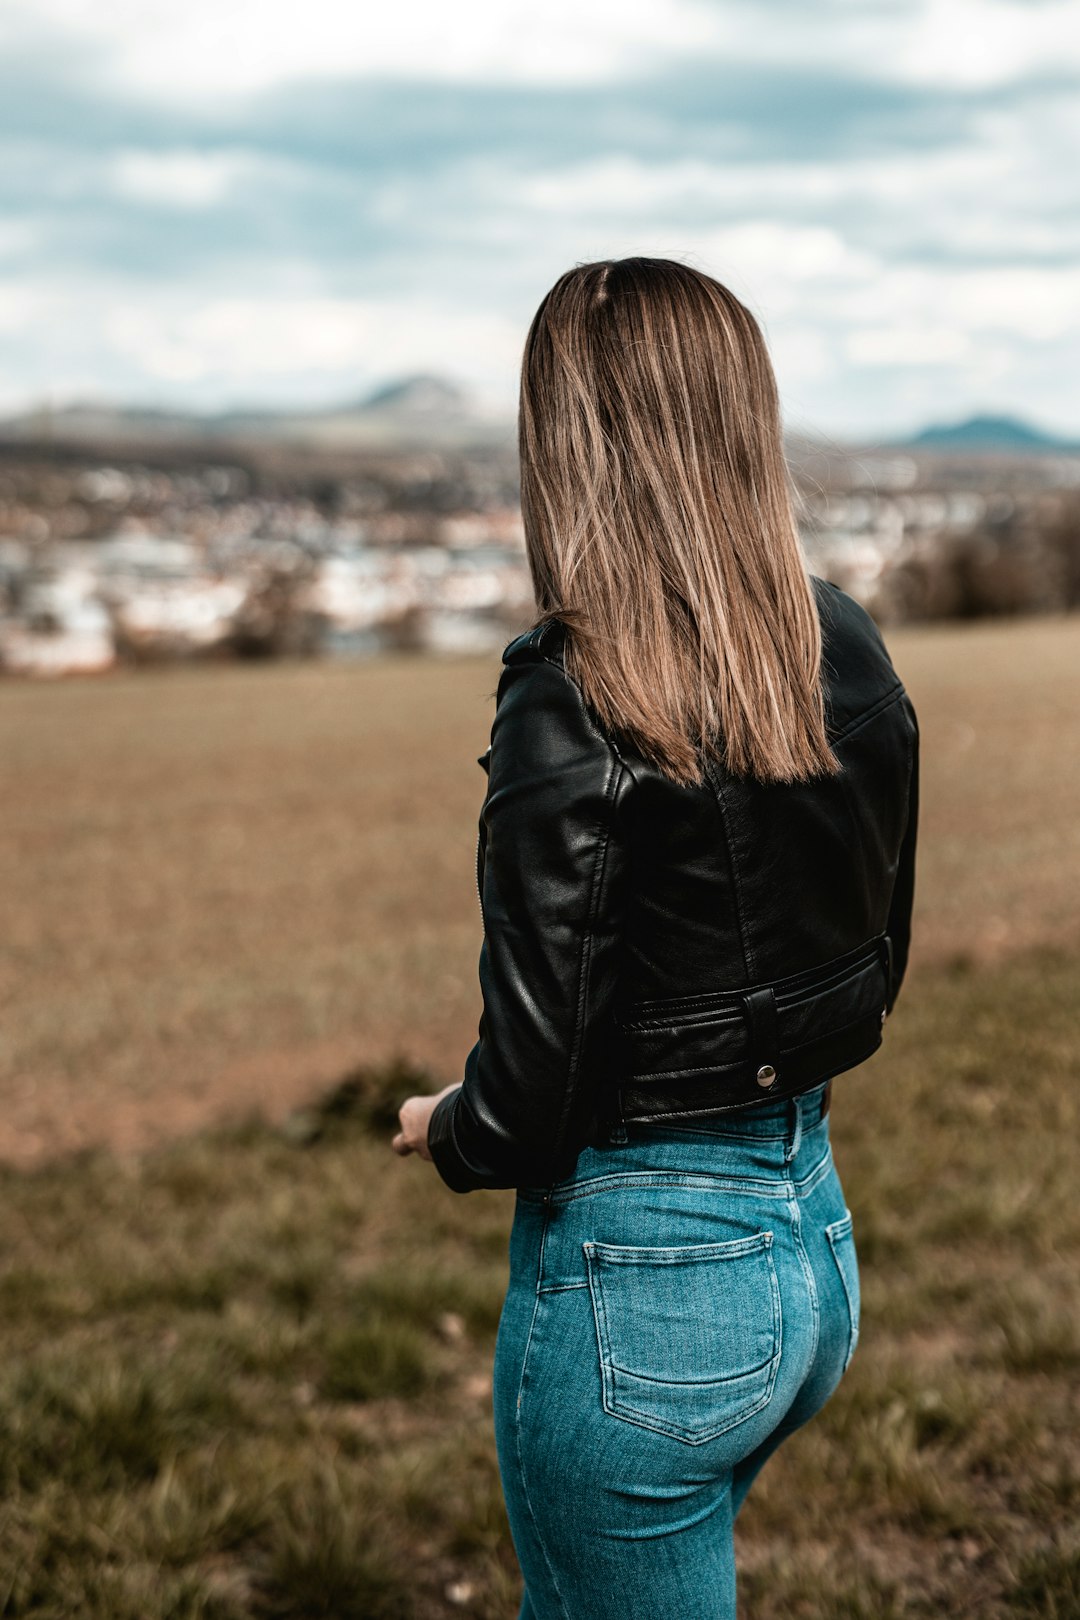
659, 521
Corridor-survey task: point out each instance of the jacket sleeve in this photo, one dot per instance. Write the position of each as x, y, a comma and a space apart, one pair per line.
898, 926
554, 826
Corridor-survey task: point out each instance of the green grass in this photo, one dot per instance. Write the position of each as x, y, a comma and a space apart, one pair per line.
247, 1374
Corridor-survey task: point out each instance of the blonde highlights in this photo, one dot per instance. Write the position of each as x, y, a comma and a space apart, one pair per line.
659, 521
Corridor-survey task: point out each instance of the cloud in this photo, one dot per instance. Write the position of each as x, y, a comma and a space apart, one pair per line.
903, 345
221, 48
206, 49
207, 204
182, 177
222, 338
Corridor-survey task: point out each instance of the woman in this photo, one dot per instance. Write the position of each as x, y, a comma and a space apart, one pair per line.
696, 867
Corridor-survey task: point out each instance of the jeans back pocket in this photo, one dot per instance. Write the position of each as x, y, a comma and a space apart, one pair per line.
842, 1243
689, 1337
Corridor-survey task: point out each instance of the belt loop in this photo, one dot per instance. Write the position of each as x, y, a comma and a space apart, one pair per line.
617, 1130
796, 1133
760, 1009
887, 963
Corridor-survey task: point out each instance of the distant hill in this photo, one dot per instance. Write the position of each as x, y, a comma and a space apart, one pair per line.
420, 394
416, 411
1007, 433
421, 410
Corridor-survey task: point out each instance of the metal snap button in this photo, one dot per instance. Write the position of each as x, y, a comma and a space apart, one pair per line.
766, 1075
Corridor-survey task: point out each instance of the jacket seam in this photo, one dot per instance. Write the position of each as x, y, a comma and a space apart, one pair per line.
450, 1140
852, 726
470, 1174
910, 774
658, 1009
543, 657
893, 990
877, 707
585, 960
749, 960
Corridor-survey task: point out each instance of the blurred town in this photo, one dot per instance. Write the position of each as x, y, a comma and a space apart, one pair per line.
132, 537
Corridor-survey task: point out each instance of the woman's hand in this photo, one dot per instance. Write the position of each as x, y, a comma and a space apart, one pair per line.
415, 1115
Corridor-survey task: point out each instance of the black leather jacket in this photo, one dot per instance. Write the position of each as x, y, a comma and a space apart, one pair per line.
660, 952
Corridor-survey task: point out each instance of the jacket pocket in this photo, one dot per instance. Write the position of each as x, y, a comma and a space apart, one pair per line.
688, 1338
818, 1024
842, 1243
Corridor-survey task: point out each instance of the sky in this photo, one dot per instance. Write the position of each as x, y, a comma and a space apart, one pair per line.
252, 202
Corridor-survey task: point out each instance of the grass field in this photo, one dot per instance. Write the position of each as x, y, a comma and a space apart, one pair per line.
246, 1350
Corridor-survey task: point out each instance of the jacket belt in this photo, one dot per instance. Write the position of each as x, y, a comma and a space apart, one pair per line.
760, 1008
700, 1055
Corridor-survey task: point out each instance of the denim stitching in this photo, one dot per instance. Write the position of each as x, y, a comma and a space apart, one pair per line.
834, 1232
670, 1254
808, 1271
792, 1148
608, 1365
672, 1432
517, 1427
695, 1383
818, 1173
600, 1320
702, 1181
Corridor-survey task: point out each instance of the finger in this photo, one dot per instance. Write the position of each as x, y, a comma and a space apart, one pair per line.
400, 1145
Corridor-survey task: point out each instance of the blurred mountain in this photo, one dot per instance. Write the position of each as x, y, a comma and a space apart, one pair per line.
421, 411
1007, 433
422, 394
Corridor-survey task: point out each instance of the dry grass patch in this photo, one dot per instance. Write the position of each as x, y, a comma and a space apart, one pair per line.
237, 883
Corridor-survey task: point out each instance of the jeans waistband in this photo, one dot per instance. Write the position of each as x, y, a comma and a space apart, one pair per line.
779, 1142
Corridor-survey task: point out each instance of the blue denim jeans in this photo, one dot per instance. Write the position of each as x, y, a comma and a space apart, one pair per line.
684, 1300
